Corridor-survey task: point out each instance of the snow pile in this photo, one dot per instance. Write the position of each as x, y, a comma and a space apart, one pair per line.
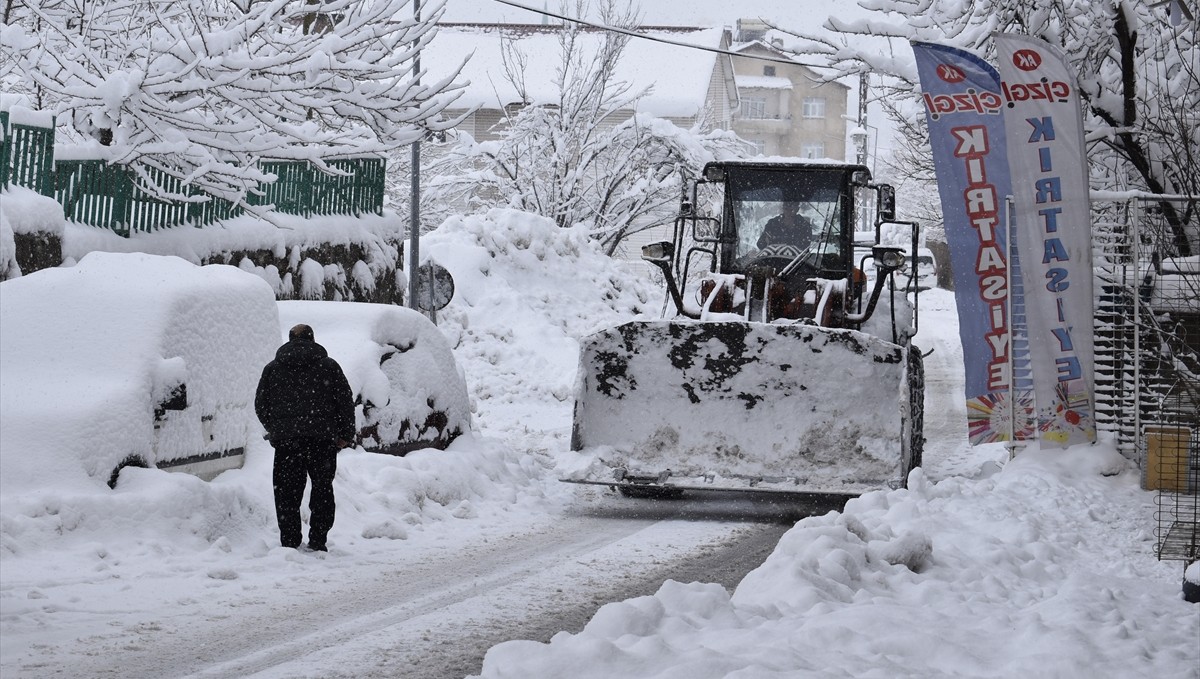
526, 291
26, 212
285, 237
9, 268
1030, 572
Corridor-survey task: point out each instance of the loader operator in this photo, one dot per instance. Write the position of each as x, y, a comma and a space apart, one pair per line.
789, 227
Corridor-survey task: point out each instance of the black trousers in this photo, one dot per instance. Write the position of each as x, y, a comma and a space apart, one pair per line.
297, 461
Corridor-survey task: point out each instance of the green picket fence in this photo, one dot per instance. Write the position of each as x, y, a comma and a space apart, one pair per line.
108, 196
26, 156
303, 190
95, 193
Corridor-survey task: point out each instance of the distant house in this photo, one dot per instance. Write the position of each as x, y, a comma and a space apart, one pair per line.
780, 108
688, 87
785, 110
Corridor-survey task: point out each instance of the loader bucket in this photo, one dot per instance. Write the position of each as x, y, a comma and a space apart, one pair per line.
735, 405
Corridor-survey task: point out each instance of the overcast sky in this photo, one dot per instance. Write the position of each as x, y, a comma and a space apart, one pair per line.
691, 13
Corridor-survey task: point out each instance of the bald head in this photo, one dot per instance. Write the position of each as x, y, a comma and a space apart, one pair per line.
301, 332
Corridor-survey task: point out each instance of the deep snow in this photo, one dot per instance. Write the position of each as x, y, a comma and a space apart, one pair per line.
1042, 566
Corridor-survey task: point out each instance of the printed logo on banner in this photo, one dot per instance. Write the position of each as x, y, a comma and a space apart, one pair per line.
1043, 116
963, 105
951, 74
1027, 60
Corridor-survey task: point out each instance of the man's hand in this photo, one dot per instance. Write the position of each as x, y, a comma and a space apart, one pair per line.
342, 443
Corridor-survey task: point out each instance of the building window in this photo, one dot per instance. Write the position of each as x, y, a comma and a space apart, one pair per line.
814, 107
754, 107
758, 146
813, 150
769, 70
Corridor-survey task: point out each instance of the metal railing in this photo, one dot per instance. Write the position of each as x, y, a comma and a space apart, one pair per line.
1147, 332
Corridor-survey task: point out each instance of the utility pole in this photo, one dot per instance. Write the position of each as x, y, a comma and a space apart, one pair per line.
414, 223
861, 140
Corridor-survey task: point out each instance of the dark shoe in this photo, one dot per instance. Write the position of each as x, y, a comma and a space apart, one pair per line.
318, 547
291, 545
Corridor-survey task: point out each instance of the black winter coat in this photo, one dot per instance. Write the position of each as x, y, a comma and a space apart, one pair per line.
303, 393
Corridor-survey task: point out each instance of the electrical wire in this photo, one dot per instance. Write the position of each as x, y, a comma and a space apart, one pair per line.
643, 36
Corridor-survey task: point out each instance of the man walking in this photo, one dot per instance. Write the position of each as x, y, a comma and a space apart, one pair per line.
305, 404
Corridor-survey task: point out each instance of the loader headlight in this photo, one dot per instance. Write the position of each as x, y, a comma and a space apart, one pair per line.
888, 258
661, 251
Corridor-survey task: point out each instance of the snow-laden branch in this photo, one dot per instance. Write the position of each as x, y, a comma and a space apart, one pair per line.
205, 89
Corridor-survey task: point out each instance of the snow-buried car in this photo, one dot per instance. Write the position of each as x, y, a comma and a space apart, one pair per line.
150, 361
408, 388
130, 359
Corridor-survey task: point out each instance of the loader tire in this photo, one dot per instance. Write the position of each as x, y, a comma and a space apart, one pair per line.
915, 425
650, 492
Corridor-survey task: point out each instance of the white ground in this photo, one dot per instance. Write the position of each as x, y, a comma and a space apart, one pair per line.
1042, 566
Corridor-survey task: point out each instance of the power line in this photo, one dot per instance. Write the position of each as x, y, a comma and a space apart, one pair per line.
643, 36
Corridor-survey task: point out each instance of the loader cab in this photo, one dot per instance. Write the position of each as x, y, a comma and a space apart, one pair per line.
773, 240
793, 218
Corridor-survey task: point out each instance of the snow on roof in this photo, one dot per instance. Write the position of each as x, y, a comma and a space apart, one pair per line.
679, 77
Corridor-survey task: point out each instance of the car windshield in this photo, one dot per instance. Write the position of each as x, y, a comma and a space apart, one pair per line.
802, 209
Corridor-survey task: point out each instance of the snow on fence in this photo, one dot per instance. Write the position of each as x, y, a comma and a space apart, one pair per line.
108, 196
27, 150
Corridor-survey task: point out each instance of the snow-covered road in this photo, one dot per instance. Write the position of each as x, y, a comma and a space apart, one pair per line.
431, 608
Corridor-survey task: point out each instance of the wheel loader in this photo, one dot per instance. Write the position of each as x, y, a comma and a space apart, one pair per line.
782, 367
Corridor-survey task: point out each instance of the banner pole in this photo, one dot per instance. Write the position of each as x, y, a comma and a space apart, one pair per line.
1012, 336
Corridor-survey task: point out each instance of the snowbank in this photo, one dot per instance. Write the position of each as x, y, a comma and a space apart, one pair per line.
320, 257
28, 211
525, 292
1034, 571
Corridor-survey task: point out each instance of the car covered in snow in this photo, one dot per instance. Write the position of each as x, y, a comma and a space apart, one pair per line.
409, 391
925, 276
130, 360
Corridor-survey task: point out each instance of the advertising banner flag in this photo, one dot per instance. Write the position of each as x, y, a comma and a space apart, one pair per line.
963, 103
1044, 121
